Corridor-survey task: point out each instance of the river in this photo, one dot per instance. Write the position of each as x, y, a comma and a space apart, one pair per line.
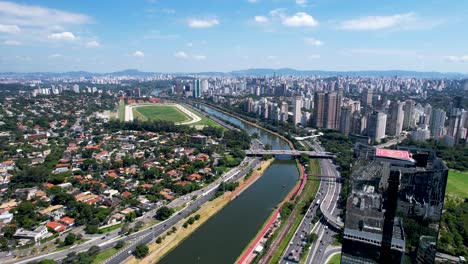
223, 237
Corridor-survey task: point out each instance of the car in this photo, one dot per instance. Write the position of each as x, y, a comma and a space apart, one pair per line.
129, 252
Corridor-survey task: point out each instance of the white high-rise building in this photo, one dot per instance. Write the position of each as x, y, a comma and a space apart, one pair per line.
437, 123
395, 119
297, 106
377, 124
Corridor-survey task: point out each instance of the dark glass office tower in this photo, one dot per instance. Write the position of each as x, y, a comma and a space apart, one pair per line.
394, 207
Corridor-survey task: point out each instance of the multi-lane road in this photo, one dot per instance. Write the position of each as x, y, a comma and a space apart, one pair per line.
331, 191
326, 199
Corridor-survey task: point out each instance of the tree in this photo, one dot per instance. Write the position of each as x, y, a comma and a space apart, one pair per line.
119, 245
93, 250
304, 159
8, 231
158, 240
47, 261
141, 251
70, 239
25, 215
312, 237
164, 213
130, 217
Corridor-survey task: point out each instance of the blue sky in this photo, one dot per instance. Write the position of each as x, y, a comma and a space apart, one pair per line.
225, 35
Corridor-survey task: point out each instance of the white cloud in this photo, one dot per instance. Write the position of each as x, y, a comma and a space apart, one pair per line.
168, 11
278, 12
186, 56
138, 54
252, 1
203, 23
199, 57
271, 57
457, 59
261, 19
9, 28
156, 34
93, 44
301, 2
55, 56
12, 43
313, 42
300, 19
189, 44
314, 56
181, 55
63, 36
384, 52
37, 16
377, 22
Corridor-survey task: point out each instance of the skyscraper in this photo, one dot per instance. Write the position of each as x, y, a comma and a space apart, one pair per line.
437, 123
367, 95
376, 127
456, 123
330, 115
395, 119
196, 88
394, 207
297, 106
345, 121
409, 115
319, 103
284, 112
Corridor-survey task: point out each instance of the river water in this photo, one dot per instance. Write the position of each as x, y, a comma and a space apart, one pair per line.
223, 237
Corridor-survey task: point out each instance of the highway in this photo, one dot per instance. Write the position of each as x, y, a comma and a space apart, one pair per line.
331, 189
327, 197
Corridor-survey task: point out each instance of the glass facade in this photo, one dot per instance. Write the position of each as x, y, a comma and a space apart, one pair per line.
394, 207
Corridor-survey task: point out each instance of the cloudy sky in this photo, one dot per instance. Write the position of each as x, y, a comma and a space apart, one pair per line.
225, 35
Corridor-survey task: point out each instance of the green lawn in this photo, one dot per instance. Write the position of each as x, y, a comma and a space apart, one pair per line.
204, 120
110, 228
161, 112
457, 183
336, 259
103, 255
122, 110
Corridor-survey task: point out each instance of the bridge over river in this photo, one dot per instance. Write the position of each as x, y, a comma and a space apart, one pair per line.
312, 154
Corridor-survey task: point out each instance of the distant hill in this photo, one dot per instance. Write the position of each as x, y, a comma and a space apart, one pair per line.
288, 71
246, 72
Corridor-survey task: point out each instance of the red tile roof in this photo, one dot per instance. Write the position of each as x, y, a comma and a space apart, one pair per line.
55, 226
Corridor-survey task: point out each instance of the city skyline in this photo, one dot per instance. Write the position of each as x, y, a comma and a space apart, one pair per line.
195, 37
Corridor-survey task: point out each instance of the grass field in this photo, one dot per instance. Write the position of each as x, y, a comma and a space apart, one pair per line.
122, 110
103, 255
204, 120
457, 183
160, 112
336, 259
